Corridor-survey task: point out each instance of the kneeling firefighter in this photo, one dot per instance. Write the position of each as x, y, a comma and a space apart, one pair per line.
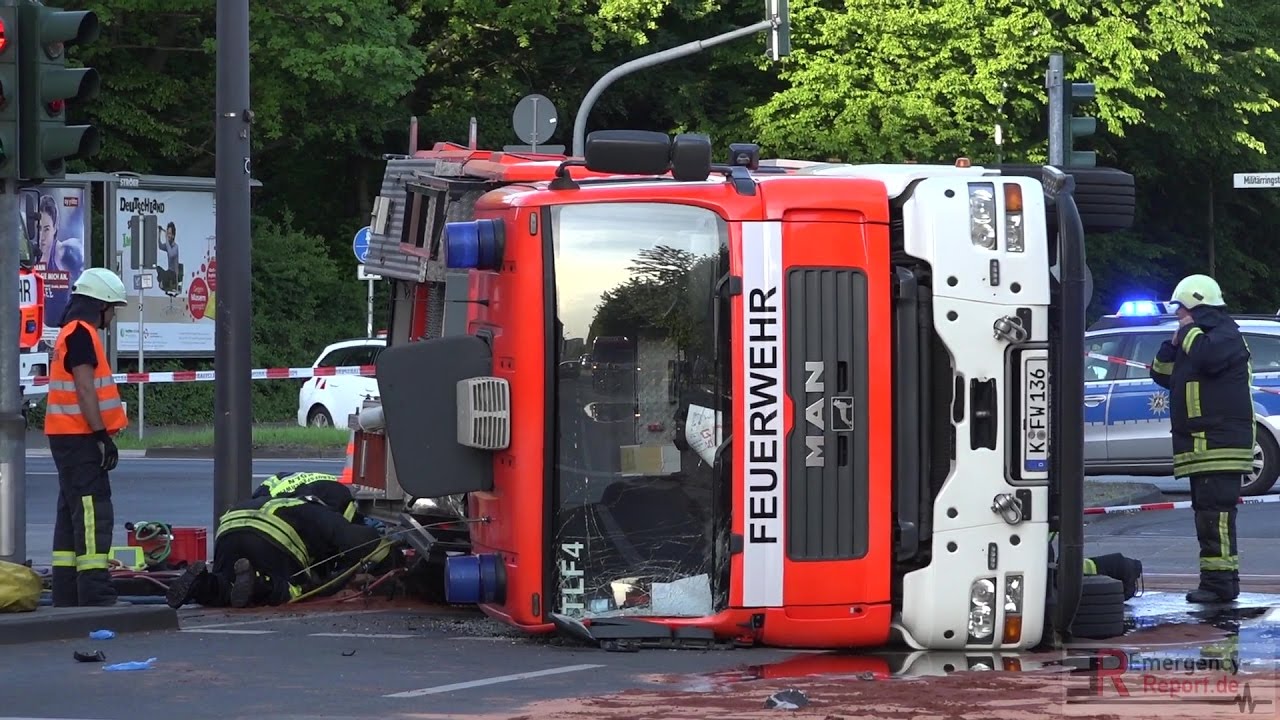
269, 551
322, 486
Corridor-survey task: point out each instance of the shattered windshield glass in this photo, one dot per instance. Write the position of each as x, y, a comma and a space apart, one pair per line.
642, 402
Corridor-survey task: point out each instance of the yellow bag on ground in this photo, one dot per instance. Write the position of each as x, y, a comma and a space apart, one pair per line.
19, 588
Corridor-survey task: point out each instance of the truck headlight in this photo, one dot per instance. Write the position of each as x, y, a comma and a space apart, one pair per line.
982, 612
1014, 241
982, 214
1012, 609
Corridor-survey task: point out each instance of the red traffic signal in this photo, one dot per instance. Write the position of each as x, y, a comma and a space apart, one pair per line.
4, 42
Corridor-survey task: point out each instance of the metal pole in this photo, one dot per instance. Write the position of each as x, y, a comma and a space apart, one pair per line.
13, 452
648, 61
114, 354
233, 402
1053, 83
142, 337
369, 313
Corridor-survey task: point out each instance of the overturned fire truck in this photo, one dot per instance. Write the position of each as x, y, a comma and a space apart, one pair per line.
639, 395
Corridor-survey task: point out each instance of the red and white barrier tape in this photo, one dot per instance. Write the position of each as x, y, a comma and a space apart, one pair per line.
183, 376
1131, 509
1142, 366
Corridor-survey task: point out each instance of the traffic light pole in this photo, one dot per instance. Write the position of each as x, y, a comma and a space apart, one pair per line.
233, 407
13, 451
1053, 82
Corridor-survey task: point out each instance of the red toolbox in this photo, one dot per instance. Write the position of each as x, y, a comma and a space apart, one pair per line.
186, 544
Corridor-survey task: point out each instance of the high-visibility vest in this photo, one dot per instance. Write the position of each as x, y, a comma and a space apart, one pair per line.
265, 520
285, 483
62, 414
291, 485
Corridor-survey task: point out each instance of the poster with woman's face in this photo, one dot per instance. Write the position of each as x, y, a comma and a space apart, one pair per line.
55, 224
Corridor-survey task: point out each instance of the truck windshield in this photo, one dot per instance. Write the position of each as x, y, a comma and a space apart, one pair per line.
641, 402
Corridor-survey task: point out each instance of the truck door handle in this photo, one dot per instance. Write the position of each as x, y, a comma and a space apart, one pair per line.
1092, 401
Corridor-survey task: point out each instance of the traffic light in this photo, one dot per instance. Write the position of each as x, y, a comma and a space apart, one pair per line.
1074, 128
47, 85
8, 92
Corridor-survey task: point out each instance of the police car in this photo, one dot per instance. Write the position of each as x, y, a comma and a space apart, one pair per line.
1126, 413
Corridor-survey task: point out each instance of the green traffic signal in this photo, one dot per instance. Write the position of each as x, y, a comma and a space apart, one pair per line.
47, 85
1074, 127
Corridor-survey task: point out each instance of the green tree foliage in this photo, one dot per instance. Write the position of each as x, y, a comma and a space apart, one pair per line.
1186, 91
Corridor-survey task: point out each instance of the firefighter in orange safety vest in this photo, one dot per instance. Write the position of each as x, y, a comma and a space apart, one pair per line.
83, 411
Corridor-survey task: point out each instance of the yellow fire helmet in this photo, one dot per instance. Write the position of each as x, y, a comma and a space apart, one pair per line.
1196, 290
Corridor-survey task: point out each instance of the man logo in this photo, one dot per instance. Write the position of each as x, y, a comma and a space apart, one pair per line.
838, 411
842, 414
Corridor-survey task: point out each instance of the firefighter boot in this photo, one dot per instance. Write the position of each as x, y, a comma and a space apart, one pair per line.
1216, 586
244, 587
190, 585
1125, 569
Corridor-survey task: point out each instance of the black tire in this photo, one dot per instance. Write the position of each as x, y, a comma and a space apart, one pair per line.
1100, 614
1105, 197
1100, 631
1270, 466
319, 417
1110, 615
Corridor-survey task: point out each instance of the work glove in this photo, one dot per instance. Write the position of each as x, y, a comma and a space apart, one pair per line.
107, 447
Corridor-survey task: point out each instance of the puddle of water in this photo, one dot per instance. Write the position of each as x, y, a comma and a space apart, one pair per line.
1242, 637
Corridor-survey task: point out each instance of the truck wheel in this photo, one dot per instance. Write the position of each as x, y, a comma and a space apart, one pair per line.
1100, 614
1105, 197
1266, 466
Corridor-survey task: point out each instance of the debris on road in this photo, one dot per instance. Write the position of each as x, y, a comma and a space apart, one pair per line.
101, 635
789, 699
133, 665
86, 657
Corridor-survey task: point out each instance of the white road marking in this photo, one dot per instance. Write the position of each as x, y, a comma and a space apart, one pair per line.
1273, 616
228, 631
485, 639
492, 681
360, 635
285, 619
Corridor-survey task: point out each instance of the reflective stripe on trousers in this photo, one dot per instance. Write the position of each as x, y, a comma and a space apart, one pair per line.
91, 559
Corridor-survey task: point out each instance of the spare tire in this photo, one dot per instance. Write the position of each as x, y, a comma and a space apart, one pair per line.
1100, 614
1105, 197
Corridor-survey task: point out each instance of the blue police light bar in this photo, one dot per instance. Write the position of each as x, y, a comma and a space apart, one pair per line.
1140, 308
474, 244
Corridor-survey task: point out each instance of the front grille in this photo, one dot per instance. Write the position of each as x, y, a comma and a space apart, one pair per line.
826, 489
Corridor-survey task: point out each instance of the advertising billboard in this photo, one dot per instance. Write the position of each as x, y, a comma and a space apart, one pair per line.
54, 225
169, 236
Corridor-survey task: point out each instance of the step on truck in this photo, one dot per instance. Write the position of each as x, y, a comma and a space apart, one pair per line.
761, 402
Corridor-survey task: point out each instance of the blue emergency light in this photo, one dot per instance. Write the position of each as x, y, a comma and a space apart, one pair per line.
474, 244
1140, 308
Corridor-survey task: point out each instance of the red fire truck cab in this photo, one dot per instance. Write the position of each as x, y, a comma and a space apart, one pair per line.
790, 404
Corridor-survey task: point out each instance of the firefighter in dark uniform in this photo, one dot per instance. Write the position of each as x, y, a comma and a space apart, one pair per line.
269, 551
83, 411
1207, 369
322, 486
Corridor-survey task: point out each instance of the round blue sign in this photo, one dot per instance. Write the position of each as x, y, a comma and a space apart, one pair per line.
360, 245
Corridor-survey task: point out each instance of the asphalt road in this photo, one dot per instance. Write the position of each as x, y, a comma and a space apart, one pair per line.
1165, 542
373, 661
174, 491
